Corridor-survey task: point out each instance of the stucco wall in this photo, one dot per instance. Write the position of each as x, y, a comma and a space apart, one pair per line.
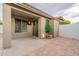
56, 28
41, 27
70, 31
29, 32
6, 26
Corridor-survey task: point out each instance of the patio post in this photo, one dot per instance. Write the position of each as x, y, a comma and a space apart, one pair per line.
41, 27
6, 26
56, 28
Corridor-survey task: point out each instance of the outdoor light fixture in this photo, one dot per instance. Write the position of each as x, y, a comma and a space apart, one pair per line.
29, 22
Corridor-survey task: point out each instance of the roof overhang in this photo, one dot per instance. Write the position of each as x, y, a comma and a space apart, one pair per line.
21, 15
30, 8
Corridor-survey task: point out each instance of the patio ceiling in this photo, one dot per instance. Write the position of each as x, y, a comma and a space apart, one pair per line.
22, 15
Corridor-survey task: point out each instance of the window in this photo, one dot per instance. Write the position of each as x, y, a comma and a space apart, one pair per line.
23, 26
20, 25
17, 25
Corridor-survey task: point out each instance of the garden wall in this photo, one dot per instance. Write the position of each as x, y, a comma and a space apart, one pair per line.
70, 31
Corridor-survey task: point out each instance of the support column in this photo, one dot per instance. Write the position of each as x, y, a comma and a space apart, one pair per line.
41, 27
6, 26
56, 28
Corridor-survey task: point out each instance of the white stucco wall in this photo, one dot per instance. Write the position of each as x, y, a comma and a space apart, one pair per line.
71, 30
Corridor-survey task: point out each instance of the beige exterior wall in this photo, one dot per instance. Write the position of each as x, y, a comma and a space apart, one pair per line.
9, 27
6, 26
41, 27
56, 28
28, 33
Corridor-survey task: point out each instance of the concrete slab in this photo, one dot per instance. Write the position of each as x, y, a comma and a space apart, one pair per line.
44, 47
58, 47
23, 45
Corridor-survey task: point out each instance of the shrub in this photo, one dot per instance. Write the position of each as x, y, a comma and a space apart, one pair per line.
63, 22
1, 22
48, 27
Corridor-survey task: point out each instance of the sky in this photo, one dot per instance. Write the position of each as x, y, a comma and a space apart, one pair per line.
69, 11
52, 8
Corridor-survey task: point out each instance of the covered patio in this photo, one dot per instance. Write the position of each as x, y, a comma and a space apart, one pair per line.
21, 21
